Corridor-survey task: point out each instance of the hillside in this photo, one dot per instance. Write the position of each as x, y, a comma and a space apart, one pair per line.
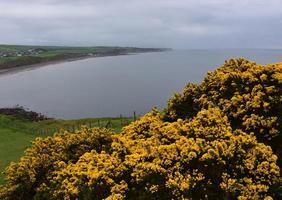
14, 56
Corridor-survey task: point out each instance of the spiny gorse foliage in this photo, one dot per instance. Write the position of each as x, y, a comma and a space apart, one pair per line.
250, 95
213, 142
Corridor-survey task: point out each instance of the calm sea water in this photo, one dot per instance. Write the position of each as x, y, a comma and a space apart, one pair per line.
110, 86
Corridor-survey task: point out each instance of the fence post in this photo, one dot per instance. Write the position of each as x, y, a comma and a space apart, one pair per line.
121, 122
134, 115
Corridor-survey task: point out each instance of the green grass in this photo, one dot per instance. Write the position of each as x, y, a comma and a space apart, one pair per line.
16, 134
12, 146
7, 59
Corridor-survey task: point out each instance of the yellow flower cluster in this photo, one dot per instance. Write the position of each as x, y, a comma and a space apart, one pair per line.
205, 146
250, 95
33, 173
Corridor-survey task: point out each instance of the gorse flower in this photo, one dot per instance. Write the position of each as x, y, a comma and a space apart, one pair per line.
212, 142
250, 95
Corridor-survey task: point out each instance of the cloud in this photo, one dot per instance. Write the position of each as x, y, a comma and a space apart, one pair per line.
168, 23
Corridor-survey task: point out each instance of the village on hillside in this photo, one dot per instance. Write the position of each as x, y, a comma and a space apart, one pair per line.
29, 52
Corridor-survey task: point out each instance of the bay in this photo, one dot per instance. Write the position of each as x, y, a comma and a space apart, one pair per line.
110, 86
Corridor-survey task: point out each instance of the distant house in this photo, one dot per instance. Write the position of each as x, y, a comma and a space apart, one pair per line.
2, 55
28, 52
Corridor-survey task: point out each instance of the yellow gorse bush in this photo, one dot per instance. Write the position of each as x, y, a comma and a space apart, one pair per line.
34, 170
207, 145
250, 95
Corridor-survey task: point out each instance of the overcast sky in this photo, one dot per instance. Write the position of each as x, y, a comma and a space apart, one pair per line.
144, 23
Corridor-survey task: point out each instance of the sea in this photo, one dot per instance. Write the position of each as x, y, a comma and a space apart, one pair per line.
116, 85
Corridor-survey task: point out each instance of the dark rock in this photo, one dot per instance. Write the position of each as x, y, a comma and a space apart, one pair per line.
23, 113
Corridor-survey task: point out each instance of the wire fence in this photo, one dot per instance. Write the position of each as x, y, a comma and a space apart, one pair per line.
72, 127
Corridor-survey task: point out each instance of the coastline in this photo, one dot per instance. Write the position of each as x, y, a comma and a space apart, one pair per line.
13, 70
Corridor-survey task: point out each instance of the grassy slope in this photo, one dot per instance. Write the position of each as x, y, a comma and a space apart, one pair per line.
16, 134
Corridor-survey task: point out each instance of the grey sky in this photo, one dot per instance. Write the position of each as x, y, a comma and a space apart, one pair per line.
145, 23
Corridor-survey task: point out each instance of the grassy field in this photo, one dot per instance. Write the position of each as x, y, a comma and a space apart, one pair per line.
16, 134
